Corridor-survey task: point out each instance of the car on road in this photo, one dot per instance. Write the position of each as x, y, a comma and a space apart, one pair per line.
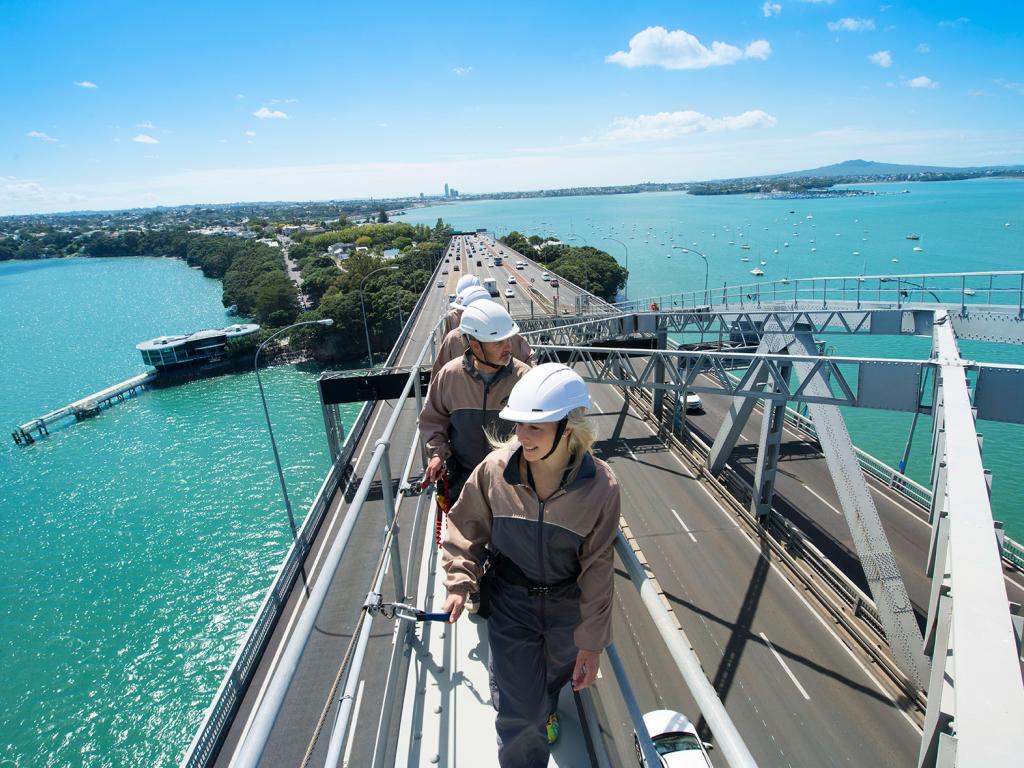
693, 403
445, 271
511, 279
440, 283
545, 276
456, 267
675, 739
553, 283
509, 293
520, 265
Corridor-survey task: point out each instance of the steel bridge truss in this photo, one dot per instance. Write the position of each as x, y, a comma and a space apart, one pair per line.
967, 660
999, 324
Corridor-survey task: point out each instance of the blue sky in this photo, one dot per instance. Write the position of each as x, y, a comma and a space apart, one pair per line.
112, 104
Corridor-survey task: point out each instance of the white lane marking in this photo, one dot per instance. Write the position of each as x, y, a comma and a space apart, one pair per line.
631, 454
352, 726
784, 665
685, 527
820, 498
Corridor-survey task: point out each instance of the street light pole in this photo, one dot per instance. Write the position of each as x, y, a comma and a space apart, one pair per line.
698, 253
266, 413
362, 305
625, 286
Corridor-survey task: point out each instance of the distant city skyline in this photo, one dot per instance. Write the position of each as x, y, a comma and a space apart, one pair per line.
117, 105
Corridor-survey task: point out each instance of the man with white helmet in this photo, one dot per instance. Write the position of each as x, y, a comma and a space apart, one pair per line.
467, 393
546, 513
455, 344
466, 282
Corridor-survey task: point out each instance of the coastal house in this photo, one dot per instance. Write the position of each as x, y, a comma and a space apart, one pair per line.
204, 346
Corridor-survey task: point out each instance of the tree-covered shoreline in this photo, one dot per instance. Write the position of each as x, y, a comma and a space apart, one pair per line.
590, 268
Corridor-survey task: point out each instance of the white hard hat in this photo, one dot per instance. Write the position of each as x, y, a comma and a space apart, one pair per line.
487, 321
473, 293
465, 281
547, 392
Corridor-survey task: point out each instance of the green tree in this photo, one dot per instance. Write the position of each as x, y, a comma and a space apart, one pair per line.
382, 217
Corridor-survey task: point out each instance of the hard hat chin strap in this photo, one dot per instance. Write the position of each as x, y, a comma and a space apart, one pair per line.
482, 361
558, 437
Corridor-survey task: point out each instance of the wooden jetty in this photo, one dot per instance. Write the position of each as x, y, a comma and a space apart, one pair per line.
81, 409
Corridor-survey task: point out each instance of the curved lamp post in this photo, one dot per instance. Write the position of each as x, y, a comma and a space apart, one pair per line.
266, 413
362, 304
625, 286
698, 253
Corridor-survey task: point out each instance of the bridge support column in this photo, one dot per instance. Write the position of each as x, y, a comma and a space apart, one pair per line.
772, 423
880, 568
741, 407
659, 371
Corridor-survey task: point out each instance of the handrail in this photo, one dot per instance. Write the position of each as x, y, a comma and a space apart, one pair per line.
958, 289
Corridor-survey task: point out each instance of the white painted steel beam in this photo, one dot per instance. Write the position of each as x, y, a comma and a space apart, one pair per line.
984, 705
880, 568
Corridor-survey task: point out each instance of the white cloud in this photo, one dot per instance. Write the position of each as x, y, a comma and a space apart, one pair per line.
851, 25
40, 135
922, 82
771, 9
923, 48
85, 84
671, 125
283, 101
250, 133
239, 96
269, 114
818, 2
145, 125
1010, 86
462, 70
143, 138
954, 23
881, 58
657, 47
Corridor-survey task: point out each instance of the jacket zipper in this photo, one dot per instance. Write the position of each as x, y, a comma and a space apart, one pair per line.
540, 543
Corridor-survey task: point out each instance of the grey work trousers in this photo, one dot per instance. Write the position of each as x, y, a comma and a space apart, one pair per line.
532, 655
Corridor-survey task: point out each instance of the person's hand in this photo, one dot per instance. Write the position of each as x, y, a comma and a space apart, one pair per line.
454, 605
434, 470
585, 671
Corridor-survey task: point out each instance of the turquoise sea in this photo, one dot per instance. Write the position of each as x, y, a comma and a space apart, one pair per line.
962, 226
137, 545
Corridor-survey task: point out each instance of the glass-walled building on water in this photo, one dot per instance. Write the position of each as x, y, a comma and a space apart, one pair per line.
200, 347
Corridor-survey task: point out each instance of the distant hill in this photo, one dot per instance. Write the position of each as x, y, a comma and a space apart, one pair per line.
871, 168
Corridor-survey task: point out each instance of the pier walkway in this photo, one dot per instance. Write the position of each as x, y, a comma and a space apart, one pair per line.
83, 408
805, 679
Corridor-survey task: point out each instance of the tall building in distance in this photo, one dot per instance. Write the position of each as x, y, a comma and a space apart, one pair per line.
446, 193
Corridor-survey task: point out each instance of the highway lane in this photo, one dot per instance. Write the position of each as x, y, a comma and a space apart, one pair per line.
797, 694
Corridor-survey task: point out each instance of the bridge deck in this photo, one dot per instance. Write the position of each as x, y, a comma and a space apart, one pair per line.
792, 684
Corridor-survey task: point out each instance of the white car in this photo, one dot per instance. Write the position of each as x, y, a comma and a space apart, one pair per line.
545, 276
509, 293
675, 739
520, 265
693, 403
440, 283
511, 279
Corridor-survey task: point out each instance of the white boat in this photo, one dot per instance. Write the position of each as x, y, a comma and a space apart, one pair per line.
856, 253
745, 247
918, 249
785, 245
895, 261
776, 250
969, 291
763, 262
813, 250
757, 272
744, 258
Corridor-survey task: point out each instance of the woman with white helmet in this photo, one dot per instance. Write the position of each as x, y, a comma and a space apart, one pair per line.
545, 512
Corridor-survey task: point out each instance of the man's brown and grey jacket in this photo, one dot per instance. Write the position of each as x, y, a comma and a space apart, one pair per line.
460, 405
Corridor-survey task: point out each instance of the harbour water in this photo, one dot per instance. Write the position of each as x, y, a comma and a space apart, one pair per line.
975, 225
137, 545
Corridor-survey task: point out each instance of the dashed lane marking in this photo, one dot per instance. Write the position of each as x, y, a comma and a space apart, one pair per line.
785, 666
685, 527
821, 498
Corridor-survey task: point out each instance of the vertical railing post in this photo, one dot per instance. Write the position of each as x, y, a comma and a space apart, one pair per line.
389, 518
963, 294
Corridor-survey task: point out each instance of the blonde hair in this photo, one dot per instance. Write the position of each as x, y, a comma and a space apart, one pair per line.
581, 439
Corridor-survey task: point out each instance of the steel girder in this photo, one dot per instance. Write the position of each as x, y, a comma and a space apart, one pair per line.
976, 699
880, 568
875, 383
